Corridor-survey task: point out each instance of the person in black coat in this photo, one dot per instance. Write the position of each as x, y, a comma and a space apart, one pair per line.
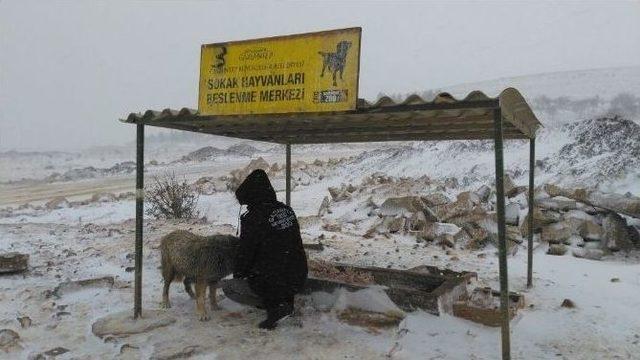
271, 256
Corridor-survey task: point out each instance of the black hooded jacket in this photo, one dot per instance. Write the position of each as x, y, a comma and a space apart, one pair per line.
271, 254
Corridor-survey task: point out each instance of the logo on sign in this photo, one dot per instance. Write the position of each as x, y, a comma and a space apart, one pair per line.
221, 52
256, 54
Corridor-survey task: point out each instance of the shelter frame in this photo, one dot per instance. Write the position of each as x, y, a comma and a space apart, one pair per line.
477, 117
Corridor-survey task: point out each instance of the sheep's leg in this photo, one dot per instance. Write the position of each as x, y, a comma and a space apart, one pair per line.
187, 287
167, 274
165, 295
201, 291
213, 287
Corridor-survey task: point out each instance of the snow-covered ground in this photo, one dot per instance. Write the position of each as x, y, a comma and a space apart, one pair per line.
96, 240
603, 325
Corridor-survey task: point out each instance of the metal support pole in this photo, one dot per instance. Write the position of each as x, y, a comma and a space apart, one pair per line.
532, 165
288, 175
502, 244
137, 294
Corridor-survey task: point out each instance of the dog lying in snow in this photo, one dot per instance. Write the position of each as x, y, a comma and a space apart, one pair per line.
196, 259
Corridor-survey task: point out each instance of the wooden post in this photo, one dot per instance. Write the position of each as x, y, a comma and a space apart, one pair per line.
137, 293
532, 165
502, 244
288, 175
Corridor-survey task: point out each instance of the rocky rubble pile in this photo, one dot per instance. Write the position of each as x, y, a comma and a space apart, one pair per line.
303, 174
208, 153
602, 149
90, 172
590, 223
469, 221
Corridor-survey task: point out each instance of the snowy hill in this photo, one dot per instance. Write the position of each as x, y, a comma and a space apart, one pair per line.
590, 137
604, 83
564, 97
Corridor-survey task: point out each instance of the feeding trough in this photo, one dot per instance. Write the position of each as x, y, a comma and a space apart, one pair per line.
428, 288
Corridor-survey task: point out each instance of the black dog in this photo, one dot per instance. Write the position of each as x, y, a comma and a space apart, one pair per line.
335, 61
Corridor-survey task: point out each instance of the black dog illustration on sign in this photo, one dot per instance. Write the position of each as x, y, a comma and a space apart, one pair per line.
335, 61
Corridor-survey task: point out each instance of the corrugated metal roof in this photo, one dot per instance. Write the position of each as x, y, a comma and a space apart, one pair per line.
414, 118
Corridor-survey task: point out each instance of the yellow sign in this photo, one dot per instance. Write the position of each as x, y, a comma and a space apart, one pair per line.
298, 73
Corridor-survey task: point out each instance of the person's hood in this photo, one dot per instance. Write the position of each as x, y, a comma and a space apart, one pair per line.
255, 189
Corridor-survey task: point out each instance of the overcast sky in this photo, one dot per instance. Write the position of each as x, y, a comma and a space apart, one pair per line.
69, 70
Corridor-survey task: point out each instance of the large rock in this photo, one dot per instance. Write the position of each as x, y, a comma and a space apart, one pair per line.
557, 249
466, 204
433, 230
591, 254
417, 222
404, 205
478, 235
557, 233
587, 226
209, 185
591, 210
445, 240
512, 234
483, 193
512, 213
577, 217
324, 207
9, 340
122, 324
517, 191
339, 194
615, 235
393, 224
522, 200
590, 231
558, 203
541, 218
59, 202
462, 237
509, 185
13, 262
510, 188
468, 197
628, 205
575, 240
435, 199
476, 215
